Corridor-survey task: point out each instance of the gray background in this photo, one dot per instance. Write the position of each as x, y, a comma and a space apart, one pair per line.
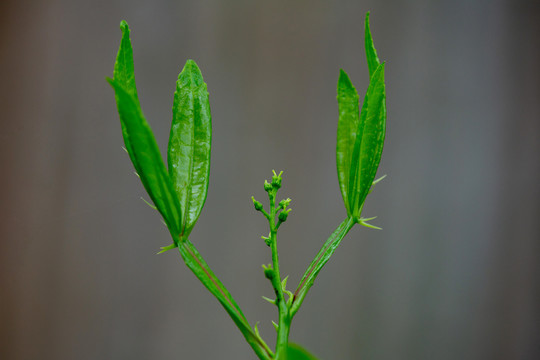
453, 275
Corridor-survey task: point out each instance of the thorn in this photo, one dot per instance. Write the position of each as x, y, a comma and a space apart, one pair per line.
375, 182
147, 203
136, 174
166, 248
276, 326
271, 301
125, 150
363, 222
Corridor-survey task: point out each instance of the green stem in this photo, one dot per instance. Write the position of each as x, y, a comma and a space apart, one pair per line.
284, 322
318, 262
200, 268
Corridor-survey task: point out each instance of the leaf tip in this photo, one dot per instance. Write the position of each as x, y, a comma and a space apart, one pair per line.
345, 84
124, 26
191, 77
191, 66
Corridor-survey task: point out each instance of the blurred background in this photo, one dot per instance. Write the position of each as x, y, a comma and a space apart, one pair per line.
455, 272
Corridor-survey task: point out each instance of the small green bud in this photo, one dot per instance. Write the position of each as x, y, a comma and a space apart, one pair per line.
257, 204
268, 272
267, 240
276, 180
283, 215
284, 203
267, 186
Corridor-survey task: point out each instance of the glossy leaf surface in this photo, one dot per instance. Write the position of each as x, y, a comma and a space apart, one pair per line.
349, 126
371, 54
188, 154
191, 125
146, 158
371, 144
124, 75
360, 135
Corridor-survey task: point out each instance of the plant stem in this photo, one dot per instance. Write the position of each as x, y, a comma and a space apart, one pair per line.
318, 262
284, 322
200, 268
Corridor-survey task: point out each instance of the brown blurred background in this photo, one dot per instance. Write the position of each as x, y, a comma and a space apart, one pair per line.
455, 274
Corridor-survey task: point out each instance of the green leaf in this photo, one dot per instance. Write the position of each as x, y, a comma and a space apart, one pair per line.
188, 154
124, 75
348, 126
360, 136
124, 72
139, 139
191, 125
147, 158
371, 54
296, 352
318, 262
372, 140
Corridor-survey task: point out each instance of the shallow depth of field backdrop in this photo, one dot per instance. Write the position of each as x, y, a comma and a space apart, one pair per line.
453, 275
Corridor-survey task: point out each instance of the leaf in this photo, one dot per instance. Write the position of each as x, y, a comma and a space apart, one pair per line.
318, 262
296, 352
124, 75
371, 54
188, 154
146, 158
368, 144
360, 136
348, 127
145, 155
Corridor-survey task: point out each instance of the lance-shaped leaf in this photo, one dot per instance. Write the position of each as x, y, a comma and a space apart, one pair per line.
147, 158
360, 136
349, 126
371, 54
188, 154
139, 139
124, 75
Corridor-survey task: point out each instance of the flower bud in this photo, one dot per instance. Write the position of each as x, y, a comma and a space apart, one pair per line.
276, 180
268, 272
284, 203
257, 204
267, 186
283, 215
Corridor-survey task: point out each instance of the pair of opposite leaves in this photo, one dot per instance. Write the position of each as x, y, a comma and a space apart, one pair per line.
179, 193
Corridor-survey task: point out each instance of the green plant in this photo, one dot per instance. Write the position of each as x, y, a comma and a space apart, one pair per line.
179, 191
